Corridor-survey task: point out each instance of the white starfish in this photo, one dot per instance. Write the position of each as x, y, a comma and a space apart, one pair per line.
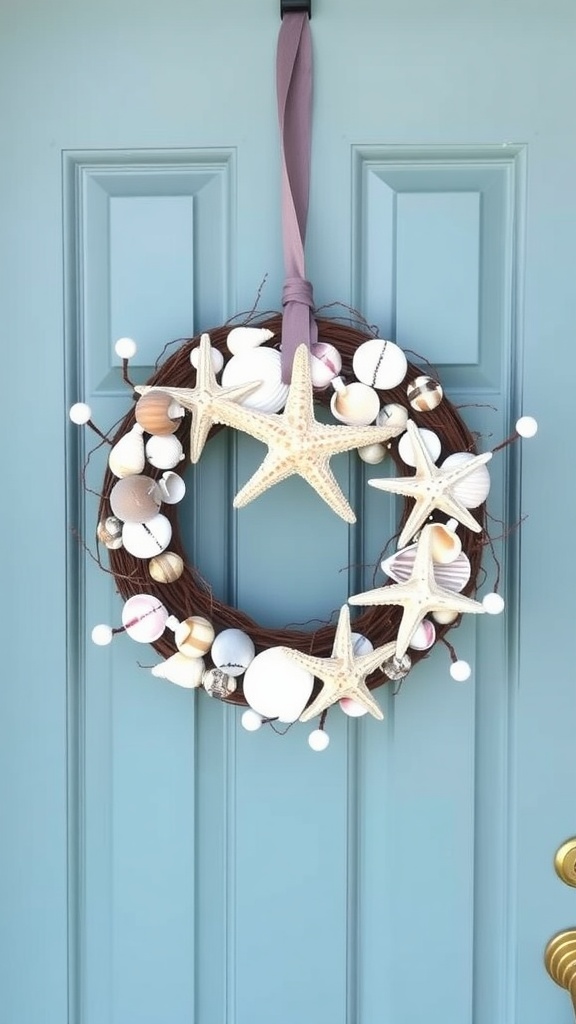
298, 444
431, 487
343, 675
418, 596
204, 400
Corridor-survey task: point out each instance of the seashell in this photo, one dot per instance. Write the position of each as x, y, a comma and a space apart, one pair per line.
325, 363
144, 540
392, 415
218, 684
182, 671
216, 357
276, 687
172, 487
473, 489
361, 645
166, 567
372, 454
144, 618
127, 456
261, 364
164, 451
352, 708
431, 442
109, 533
135, 499
445, 617
382, 364
194, 636
397, 668
158, 413
232, 651
453, 576
242, 339
424, 394
446, 544
356, 404
424, 636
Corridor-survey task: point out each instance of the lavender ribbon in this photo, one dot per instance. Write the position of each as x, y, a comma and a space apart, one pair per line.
294, 90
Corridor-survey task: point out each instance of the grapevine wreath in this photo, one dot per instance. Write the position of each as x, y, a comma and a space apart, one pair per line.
264, 379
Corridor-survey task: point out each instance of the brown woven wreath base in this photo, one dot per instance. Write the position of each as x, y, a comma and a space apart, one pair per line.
191, 595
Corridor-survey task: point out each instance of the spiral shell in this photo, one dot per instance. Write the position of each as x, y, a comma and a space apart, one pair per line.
127, 456
242, 339
109, 533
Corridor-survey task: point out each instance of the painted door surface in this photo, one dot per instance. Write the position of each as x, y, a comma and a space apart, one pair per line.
158, 864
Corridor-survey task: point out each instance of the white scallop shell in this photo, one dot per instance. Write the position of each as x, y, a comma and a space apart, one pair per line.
182, 671
431, 442
474, 489
261, 364
232, 651
241, 339
453, 576
164, 451
126, 458
144, 540
355, 404
382, 364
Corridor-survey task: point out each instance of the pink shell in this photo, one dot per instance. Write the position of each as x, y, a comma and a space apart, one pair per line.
453, 576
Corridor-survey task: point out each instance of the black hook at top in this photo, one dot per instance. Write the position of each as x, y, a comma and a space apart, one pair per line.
293, 6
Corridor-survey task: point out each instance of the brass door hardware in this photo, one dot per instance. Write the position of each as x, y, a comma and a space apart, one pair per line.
560, 960
565, 862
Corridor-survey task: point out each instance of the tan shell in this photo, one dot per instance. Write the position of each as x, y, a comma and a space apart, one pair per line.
154, 412
194, 636
166, 568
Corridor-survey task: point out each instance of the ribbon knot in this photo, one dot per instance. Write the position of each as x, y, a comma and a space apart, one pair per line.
298, 289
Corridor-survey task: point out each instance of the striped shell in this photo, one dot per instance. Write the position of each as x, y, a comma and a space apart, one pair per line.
166, 568
473, 489
453, 576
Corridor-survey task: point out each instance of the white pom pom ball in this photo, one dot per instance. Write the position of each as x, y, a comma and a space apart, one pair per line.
251, 720
102, 635
125, 348
460, 671
493, 604
80, 413
526, 426
318, 740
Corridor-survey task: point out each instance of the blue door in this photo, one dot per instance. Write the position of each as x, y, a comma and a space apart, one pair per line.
159, 864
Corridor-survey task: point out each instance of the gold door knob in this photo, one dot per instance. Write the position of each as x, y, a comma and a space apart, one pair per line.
560, 960
565, 862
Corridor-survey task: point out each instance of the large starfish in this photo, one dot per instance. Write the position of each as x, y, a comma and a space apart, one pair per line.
204, 400
343, 675
431, 487
418, 596
298, 444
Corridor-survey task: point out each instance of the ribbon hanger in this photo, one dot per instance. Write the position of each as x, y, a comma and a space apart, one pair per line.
294, 91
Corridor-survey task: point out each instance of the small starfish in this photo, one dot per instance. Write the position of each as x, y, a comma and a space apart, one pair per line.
418, 596
204, 400
431, 488
298, 444
343, 675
